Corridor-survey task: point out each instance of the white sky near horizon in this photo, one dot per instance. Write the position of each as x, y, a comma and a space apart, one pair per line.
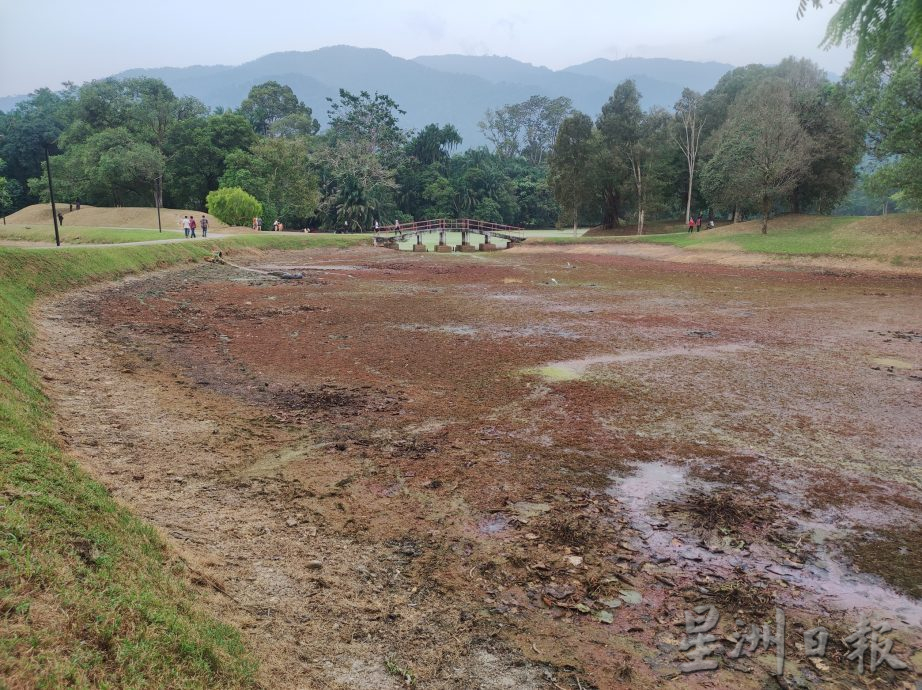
46, 42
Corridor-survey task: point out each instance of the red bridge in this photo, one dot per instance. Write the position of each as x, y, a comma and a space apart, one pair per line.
391, 235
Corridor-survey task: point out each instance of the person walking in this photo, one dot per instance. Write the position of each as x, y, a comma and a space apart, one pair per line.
185, 226
204, 226
60, 219
698, 223
691, 224
192, 226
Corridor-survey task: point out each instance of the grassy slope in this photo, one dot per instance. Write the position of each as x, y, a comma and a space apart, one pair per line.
81, 235
897, 238
89, 595
107, 217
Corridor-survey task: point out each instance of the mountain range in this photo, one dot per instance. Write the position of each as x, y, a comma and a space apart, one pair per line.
455, 89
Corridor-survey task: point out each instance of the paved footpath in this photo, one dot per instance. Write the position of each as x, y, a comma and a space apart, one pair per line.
51, 245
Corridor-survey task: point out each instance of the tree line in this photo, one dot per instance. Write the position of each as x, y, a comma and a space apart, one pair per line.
133, 142
763, 140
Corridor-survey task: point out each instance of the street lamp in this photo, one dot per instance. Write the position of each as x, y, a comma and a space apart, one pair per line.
157, 192
54, 211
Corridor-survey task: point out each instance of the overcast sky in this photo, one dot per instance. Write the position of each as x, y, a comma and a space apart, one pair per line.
46, 42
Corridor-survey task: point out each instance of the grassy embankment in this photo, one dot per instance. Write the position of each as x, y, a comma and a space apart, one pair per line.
89, 594
896, 239
81, 235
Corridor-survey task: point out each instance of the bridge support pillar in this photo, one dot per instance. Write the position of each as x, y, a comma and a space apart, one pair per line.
444, 248
488, 247
420, 247
466, 247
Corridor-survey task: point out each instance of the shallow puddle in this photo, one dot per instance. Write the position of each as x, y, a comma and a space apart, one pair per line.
572, 369
494, 524
833, 585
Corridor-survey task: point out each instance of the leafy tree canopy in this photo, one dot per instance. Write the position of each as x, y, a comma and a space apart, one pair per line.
270, 102
233, 206
882, 30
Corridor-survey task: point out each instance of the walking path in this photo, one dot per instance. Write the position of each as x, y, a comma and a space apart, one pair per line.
51, 245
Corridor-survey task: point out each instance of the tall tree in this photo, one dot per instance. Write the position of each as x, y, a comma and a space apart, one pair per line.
363, 149
647, 159
433, 144
633, 139
153, 109
762, 146
280, 173
6, 195
540, 118
570, 165
829, 119
196, 152
25, 132
891, 107
687, 135
113, 167
528, 128
270, 102
726, 177
501, 128
370, 122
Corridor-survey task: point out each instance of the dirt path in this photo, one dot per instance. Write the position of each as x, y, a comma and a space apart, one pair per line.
460, 471
52, 245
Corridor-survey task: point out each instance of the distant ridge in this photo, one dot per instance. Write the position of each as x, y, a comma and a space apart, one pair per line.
456, 89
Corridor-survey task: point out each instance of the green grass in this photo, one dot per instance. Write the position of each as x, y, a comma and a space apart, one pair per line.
89, 594
816, 236
895, 239
81, 235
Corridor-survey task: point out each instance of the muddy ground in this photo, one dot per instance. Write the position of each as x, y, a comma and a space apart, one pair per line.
515, 470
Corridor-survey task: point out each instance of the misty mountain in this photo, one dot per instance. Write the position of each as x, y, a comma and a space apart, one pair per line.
444, 89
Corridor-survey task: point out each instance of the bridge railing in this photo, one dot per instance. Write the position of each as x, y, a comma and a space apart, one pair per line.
452, 225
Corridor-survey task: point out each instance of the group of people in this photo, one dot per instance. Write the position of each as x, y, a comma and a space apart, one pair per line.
189, 226
694, 224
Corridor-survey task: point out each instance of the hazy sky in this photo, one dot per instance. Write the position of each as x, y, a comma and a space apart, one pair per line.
45, 42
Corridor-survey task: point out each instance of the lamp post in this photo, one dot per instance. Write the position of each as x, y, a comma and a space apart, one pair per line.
54, 211
157, 192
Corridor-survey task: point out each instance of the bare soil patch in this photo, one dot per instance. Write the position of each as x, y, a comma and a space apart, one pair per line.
369, 473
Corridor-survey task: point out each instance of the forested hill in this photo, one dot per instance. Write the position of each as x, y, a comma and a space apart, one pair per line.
447, 89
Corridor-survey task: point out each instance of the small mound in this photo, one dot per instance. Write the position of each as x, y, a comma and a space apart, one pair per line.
120, 217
